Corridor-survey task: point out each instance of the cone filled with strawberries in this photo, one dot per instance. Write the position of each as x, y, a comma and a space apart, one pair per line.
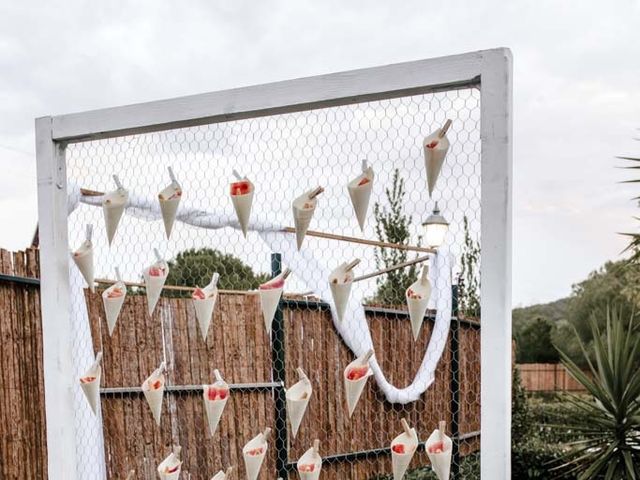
215, 399
270, 293
113, 204
112, 300
169, 199
340, 282
170, 467
241, 192
310, 463
204, 301
90, 383
439, 448
417, 296
403, 448
153, 389
298, 396
355, 379
435, 148
222, 475
154, 277
254, 452
83, 258
360, 192
303, 208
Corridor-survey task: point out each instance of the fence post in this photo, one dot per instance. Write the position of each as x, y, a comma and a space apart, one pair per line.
455, 384
278, 373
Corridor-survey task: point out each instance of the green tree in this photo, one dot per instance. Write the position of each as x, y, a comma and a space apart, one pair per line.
634, 238
534, 343
194, 267
393, 226
469, 279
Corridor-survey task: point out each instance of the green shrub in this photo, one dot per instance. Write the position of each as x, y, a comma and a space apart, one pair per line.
534, 459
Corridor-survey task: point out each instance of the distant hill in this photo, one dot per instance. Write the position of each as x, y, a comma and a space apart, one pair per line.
553, 311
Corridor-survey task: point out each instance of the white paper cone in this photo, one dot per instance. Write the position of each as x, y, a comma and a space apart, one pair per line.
204, 308
361, 194
223, 475
418, 306
154, 284
270, 298
400, 462
169, 199
353, 388
91, 389
215, 407
83, 258
253, 463
154, 397
302, 216
434, 157
310, 457
172, 462
113, 205
298, 397
112, 306
242, 205
440, 462
340, 282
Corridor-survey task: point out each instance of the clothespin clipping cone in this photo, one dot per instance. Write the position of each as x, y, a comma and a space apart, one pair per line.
417, 296
340, 282
435, 148
90, 383
83, 258
113, 205
254, 452
360, 189
155, 276
215, 398
270, 293
204, 301
439, 448
170, 467
241, 192
169, 198
355, 379
310, 464
153, 389
403, 447
303, 208
298, 396
112, 300
222, 475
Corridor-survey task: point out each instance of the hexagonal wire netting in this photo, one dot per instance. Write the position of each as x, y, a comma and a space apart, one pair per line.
284, 156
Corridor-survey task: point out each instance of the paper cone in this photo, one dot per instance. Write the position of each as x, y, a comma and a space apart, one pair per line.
131, 475
215, 398
83, 258
435, 149
242, 198
417, 296
440, 462
170, 467
408, 441
153, 389
154, 283
204, 301
298, 397
113, 303
90, 383
353, 388
113, 204
223, 475
270, 293
303, 208
254, 453
169, 199
360, 192
310, 463
340, 282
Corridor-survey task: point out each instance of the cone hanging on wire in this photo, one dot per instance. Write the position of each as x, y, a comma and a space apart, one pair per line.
90, 383
83, 258
270, 293
169, 199
298, 396
241, 192
417, 296
439, 448
215, 399
355, 379
112, 300
154, 277
153, 389
303, 208
204, 301
340, 282
221, 475
254, 452
360, 192
435, 148
170, 467
113, 204
310, 463
403, 447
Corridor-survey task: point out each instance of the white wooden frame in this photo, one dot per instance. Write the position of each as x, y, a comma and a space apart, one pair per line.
490, 69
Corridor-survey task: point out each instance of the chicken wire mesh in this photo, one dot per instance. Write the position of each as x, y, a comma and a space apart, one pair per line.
283, 156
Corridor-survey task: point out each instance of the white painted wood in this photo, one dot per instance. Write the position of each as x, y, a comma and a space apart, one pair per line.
55, 301
280, 97
495, 385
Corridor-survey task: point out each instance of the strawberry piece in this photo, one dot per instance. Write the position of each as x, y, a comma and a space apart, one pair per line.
364, 181
87, 379
198, 294
240, 188
437, 447
356, 373
217, 393
156, 272
273, 284
256, 451
176, 194
156, 385
310, 467
433, 144
172, 469
115, 293
399, 448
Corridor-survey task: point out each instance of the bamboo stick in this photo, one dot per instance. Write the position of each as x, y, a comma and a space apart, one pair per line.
392, 268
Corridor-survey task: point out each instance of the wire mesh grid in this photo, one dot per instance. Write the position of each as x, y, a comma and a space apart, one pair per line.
283, 156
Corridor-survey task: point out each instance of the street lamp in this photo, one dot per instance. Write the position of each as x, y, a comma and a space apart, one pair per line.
436, 227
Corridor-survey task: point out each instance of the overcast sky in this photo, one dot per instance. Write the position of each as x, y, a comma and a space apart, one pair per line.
576, 92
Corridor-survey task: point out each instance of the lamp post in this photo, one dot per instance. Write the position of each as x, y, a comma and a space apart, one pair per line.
436, 227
